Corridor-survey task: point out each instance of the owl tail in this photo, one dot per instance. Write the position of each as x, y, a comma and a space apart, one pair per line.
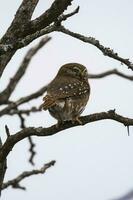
48, 102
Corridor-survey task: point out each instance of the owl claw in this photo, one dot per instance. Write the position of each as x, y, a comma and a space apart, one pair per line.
59, 123
77, 120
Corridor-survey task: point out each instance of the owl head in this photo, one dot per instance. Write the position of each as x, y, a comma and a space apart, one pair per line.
74, 70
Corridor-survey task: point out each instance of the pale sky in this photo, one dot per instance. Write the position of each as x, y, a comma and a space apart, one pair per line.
95, 161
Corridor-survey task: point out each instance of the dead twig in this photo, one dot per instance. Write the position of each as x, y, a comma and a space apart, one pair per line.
31, 150
111, 72
7, 131
15, 183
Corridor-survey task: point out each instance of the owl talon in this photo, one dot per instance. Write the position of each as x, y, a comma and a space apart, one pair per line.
77, 120
59, 123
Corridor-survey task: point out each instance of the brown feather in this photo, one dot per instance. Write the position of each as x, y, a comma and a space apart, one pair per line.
68, 93
49, 101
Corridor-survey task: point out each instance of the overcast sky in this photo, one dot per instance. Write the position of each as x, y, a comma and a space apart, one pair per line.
95, 161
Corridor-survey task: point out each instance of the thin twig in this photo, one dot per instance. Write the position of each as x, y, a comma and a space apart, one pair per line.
111, 72
15, 183
22, 121
31, 143
7, 131
24, 111
128, 131
64, 17
23, 100
31, 150
91, 40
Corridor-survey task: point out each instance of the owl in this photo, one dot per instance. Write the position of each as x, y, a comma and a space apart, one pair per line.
68, 93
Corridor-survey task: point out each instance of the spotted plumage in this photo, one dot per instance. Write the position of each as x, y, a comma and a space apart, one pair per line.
68, 94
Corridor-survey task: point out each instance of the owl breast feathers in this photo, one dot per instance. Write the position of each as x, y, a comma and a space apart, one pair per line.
68, 94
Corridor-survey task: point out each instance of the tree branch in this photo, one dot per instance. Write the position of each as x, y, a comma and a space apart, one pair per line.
22, 16
50, 16
13, 139
15, 183
22, 42
111, 72
5, 95
7, 131
21, 19
3, 167
31, 150
32, 144
64, 17
24, 111
91, 40
25, 11
22, 28
22, 100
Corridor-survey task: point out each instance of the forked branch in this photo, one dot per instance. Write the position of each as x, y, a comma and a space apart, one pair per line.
6, 93
22, 100
15, 183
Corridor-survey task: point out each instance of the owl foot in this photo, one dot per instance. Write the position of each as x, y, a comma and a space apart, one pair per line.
77, 120
59, 123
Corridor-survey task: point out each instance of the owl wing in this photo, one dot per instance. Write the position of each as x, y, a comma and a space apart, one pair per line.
49, 101
62, 90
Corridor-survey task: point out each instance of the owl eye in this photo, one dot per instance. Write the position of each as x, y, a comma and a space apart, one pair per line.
77, 70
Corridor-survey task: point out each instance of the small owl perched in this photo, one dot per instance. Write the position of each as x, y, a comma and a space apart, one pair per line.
68, 94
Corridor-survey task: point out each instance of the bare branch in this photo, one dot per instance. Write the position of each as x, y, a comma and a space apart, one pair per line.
15, 183
22, 121
13, 33
7, 131
65, 17
3, 167
32, 144
111, 72
22, 42
22, 100
13, 139
91, 40
50, 16
25, 11
24, 111
20, 29
20, 21
31, 150
4, 96
8, 47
